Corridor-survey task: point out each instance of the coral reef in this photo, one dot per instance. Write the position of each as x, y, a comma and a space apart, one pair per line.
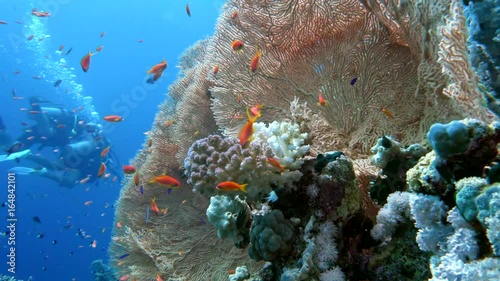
388, 70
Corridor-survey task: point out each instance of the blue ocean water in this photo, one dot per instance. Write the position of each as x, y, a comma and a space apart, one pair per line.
114, 84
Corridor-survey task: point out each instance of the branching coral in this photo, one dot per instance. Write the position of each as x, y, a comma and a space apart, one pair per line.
215, 159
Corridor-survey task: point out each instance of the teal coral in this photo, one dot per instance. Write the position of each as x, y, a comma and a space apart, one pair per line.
272, 236
449, 139
229, 216
468, 190
488, 205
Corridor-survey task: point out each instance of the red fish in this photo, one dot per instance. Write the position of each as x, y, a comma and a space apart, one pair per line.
158, 67
231, 186
255, 110
246, 132
98, 49
113, 118
321, 99
254, 63
85, 62
128, 169
102, 170
237, 45
154, 207
105, 152
234, 15
61, 47
166, 180
188, 11
216, 69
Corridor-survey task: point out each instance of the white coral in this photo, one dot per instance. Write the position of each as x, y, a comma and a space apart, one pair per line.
285, 140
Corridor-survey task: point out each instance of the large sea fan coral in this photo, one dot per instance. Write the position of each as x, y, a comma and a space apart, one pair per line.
321, 46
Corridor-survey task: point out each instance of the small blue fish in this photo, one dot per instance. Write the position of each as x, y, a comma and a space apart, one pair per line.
202, 221
147, 214
141, 189
169, 190
353, 81
123, 256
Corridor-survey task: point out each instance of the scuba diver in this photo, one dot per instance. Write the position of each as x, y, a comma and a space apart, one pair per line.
79, 146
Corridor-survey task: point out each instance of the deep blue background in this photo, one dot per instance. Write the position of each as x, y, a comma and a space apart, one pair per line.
114, 76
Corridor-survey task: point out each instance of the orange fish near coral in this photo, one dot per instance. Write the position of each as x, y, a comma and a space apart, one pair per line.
275, 164
254, 63
387, 112
166, 180
237, 45
255, 110
85, 62
216, 69
113, 118
158, 277
246, 132
154, 207
158, 67
105, 152
102, 170
321, 99
136, 179
231, 186
128, 169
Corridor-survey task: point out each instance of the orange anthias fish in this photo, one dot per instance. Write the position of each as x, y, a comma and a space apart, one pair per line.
246, 132
255, 110
158, 67
136, 179
113, 118
166, 180
216, 69
85, 62
254, 63
61, 47
154, 207
387, 112
158, 277
321, 99
234, 15
188, 11
275, 164
128, 169
237, 45
105, 152
150, 142
98, 49
102, 170
231, 186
